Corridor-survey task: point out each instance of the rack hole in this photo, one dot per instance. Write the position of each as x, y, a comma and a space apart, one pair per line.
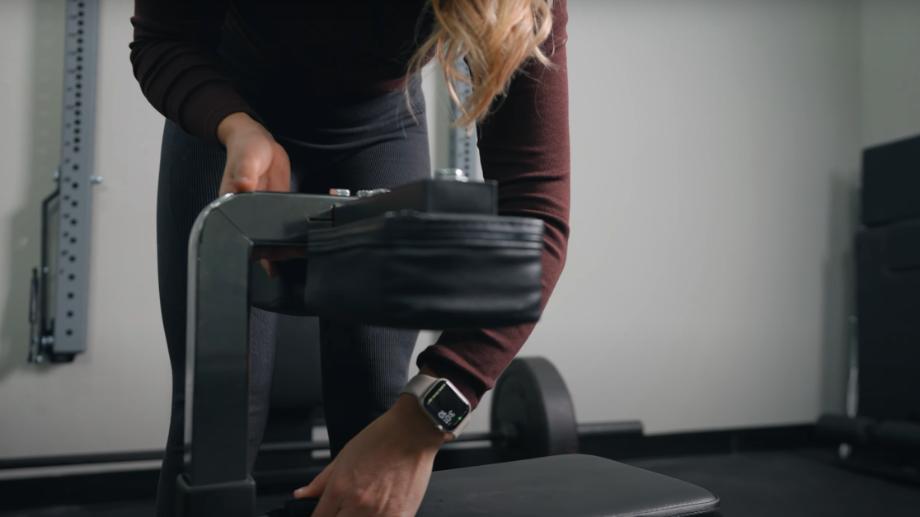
69, 332
70, 314
70, 296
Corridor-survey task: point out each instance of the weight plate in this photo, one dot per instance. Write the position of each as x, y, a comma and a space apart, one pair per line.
532, 411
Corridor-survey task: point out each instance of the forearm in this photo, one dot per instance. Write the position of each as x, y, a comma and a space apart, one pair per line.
524, 146
234, 124
173, 56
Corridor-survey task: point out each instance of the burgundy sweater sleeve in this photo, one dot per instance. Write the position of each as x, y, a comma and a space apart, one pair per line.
524, 146
173, 55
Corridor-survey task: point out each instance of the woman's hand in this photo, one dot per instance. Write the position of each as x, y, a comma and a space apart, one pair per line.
384, 470
255, 161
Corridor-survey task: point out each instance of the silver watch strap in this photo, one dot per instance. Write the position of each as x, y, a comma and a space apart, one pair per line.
419, 384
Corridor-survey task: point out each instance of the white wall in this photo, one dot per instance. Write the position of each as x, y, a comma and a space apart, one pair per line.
890, 62
708, 140
116, 396
715, 143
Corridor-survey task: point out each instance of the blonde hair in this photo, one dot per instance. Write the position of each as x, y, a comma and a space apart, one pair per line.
494, 37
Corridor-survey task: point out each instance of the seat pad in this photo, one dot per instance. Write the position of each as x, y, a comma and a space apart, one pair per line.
572, 485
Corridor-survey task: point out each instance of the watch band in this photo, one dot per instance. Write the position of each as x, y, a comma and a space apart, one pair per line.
419, 386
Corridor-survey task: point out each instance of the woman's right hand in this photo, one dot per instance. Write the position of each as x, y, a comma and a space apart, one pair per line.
255, 161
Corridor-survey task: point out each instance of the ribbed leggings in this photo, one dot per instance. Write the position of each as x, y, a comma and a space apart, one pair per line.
356, 144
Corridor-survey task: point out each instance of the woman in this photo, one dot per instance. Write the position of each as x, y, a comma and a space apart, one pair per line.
306, 96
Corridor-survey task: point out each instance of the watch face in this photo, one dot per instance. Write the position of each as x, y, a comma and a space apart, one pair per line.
445, 406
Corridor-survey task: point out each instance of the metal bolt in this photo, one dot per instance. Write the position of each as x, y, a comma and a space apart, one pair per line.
450, 175
96, 180
339, 192
47, 340
373, 192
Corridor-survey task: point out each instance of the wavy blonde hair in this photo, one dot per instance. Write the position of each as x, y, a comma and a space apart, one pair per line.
494, 37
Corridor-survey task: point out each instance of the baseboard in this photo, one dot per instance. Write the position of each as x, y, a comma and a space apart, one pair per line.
78, 489
140, 483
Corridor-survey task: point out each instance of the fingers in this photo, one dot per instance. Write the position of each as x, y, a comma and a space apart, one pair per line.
328, 506
266, 170
240, 176
279, 172
262, 183
317, 486
329, 503
268, 267
249, 174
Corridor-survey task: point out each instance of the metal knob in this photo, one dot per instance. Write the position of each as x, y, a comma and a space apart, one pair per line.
450, 175
372, 192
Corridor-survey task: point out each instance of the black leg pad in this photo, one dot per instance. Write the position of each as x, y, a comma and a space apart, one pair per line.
574, 485
236, 499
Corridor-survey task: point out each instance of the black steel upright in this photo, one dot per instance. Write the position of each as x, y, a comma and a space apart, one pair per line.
216, 479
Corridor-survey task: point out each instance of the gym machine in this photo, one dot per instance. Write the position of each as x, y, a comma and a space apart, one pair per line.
430, 254
881, 433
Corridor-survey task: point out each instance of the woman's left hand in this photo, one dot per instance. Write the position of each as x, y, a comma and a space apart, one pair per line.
384, 470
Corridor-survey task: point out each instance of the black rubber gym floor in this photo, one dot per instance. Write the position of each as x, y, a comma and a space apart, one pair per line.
790, 484
763, 484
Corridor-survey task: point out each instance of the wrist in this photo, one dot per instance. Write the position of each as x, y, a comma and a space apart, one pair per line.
234, 124
422, 433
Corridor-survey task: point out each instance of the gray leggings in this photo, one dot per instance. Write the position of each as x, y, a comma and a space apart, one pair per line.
355, 144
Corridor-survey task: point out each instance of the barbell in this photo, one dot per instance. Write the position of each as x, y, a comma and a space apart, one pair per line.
532, 416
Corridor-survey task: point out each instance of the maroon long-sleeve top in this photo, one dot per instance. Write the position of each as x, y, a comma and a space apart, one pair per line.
328, 47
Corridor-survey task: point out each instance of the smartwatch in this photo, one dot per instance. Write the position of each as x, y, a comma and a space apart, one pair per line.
445, 406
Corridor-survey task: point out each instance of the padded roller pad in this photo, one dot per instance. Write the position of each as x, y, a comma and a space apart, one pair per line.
573, 485
427, 270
